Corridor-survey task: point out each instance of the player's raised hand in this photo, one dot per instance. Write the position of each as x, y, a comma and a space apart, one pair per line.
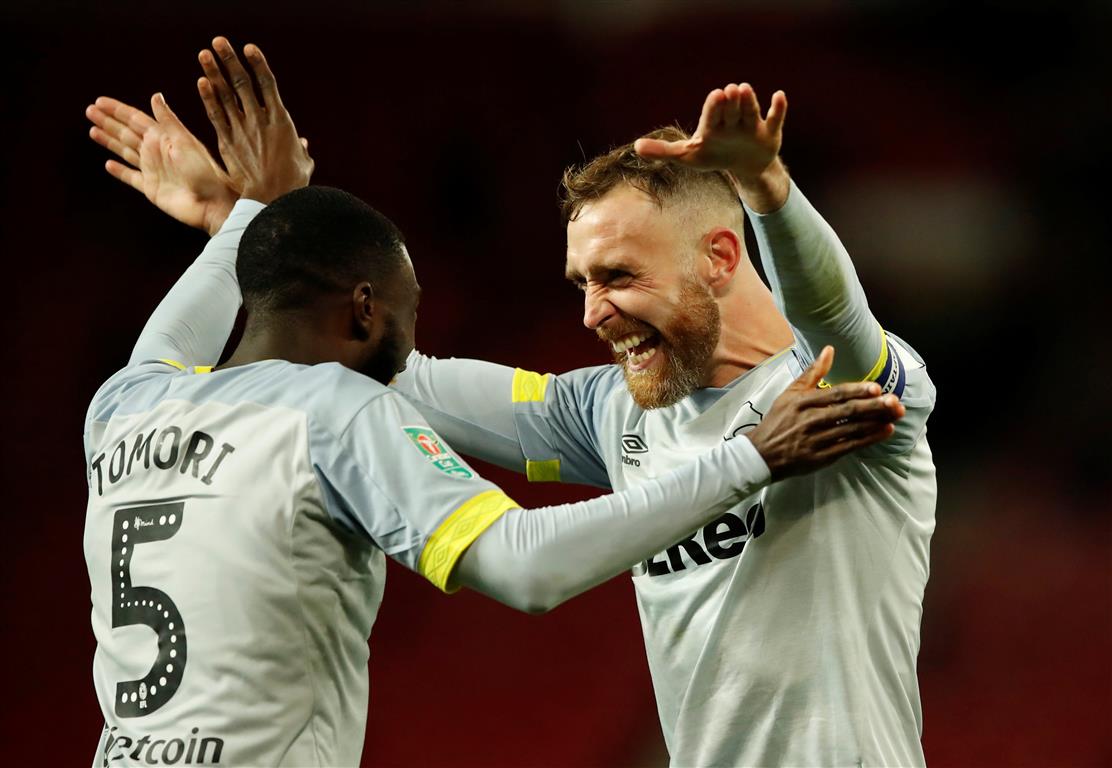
163, 160
808, 427
732, 136
257, 138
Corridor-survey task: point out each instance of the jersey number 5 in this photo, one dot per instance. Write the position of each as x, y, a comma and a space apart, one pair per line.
146, 605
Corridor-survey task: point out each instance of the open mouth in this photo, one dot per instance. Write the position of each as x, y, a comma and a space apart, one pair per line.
639, 348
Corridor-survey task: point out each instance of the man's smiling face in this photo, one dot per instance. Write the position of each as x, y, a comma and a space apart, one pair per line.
635, 264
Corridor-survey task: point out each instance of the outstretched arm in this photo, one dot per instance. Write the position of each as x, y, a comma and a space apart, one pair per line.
175, 171
812, 277
535, 559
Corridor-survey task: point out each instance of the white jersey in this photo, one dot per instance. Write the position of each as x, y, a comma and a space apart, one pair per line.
235, 539
786, 631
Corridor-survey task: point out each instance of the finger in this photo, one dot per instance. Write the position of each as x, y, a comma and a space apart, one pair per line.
658, 149
819, 398
711, 116
127, 175
836, 450
749, 107
107, 128
164, 115
220, 86
124, 151
777, 111
214, 108
133, 118
850, 432
731, 108
814, 373
268, 86
873, 409
237, 75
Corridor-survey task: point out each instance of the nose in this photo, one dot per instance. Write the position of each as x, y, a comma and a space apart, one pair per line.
597, 309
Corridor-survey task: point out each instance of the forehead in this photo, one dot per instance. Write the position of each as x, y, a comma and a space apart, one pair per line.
624, 228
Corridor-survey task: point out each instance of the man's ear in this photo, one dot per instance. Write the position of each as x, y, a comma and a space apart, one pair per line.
724, 252
362, 310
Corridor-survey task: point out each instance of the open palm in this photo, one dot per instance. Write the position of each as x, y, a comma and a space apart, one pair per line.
164, 161
732, 136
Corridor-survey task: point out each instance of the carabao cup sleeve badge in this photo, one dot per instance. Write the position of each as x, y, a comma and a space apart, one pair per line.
429, 444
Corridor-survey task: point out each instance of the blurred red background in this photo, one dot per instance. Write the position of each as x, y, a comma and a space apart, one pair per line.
960, 151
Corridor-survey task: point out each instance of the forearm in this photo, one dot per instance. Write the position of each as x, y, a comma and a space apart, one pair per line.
815, 285
533, 560
468, 403
192, 323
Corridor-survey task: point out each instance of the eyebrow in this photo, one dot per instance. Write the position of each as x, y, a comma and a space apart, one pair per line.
600, 270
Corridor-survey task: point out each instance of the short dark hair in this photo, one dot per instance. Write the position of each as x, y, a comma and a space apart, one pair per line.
311, 242
659, 179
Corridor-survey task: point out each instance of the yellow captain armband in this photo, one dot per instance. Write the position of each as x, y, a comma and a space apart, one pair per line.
174, 363
529, 387
889, 371
458, 531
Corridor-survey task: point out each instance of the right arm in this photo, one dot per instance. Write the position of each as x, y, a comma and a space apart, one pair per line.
533, 560
162, 159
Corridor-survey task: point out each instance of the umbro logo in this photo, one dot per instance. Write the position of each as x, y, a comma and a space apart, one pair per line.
634, 444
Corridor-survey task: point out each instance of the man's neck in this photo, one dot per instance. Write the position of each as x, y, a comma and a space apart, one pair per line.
293, 342
753, 329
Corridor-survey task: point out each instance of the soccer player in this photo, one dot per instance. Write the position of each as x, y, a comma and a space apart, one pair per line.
784, 632
239, 517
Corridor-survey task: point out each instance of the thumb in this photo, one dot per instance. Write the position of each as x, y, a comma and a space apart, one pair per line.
814, 373
657, 149
777, 111
162, 112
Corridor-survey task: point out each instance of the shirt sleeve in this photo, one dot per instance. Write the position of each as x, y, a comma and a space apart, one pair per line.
390, 476
816, 287
192, 323
393, 478
544, 425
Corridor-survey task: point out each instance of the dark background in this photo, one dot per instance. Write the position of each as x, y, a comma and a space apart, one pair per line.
960, 151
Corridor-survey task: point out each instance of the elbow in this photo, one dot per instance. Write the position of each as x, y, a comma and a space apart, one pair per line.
535, 598
532, 593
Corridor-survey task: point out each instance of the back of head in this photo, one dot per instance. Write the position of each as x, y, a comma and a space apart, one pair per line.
693, 195
310, 243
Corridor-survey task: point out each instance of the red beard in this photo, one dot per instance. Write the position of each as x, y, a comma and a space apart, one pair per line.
684, 347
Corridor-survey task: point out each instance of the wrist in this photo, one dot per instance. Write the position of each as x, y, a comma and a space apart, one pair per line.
766, 191
217, 213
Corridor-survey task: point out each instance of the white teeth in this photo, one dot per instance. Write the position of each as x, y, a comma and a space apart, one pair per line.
629, 342
638, 359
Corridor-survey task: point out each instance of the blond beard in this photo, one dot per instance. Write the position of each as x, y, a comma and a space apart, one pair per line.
685, 346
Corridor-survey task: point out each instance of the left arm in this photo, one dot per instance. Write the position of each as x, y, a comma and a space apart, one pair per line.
816, 287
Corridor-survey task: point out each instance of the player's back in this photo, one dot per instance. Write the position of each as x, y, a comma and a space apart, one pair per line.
231, 610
